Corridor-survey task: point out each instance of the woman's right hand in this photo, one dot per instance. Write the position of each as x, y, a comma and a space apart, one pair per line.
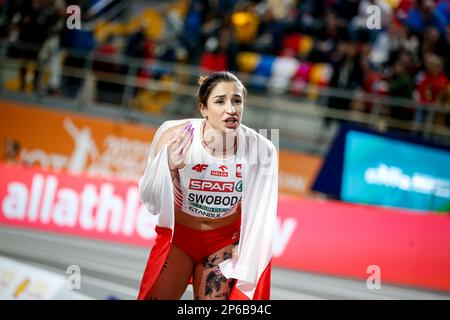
178, 146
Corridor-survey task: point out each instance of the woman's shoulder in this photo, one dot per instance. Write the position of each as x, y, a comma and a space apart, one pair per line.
254, 137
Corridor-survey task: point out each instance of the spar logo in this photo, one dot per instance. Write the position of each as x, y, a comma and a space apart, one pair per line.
211, 186
222, 173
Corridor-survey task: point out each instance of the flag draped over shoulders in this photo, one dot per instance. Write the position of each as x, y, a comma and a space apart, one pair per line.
250, 264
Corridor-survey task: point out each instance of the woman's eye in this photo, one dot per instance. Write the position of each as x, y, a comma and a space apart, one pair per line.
219, 101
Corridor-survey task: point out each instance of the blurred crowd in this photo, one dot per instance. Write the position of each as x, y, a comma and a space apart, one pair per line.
325, 42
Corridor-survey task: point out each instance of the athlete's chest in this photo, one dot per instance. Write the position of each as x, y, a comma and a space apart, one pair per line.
219, 178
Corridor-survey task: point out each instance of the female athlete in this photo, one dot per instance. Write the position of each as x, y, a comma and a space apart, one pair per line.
213, 183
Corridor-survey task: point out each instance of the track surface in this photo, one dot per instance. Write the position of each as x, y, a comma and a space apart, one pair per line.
113, 271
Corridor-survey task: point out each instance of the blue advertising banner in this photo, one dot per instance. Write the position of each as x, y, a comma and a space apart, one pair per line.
383, 171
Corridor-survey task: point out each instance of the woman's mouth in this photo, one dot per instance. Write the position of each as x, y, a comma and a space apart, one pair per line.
231, 123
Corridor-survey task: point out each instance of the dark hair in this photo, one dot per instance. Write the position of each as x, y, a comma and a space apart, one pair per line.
207, 84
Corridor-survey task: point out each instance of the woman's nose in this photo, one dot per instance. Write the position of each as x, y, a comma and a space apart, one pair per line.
231, 108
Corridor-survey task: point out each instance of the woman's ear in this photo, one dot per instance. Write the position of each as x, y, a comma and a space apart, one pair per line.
203, 110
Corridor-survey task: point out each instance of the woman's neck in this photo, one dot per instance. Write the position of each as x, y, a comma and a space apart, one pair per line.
217, 142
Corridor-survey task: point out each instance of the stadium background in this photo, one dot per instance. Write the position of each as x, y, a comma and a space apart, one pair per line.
78, 109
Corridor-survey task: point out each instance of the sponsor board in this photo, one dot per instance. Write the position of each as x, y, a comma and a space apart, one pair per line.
297, 172
342, 239
75, 205
384, 171
67, 141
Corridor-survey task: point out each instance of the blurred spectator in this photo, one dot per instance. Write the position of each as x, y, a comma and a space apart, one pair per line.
432, 84
346, 9
433, 42
137, 45
347, 74
173, 25
401, 85
50, 56
79, 43
446, 46
443, 11
210, 27
409, 42
280, 8
423, 15
213, 59
245, 23
434, 81
35, 21
403, 8
109, 71
269, 35
328, 36
220, 48
228, 42
309, 12
193, 26
387, 43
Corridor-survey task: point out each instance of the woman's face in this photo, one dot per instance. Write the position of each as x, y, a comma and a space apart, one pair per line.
225, 106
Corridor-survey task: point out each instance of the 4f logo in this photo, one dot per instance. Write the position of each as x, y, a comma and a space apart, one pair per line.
74, 20
200, 167
374, 19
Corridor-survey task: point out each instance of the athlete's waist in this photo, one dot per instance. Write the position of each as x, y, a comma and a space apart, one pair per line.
204, 223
